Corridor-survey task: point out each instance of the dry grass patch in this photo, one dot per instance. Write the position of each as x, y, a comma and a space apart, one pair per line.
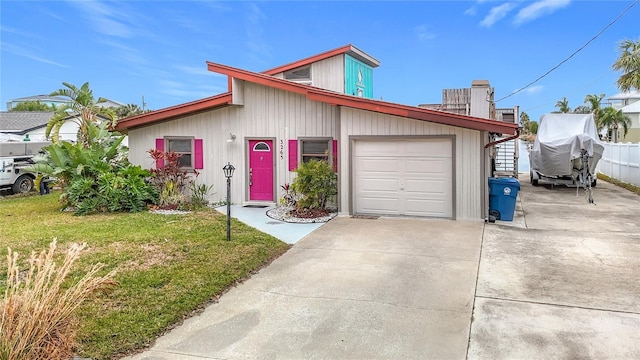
38, 312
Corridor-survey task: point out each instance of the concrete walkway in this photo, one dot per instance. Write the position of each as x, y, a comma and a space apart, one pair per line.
562, 281
256, 217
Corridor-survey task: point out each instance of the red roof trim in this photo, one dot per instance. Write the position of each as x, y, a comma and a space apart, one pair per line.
174, 111
334, 98
347, 49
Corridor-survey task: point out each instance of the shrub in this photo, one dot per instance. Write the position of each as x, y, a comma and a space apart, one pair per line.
38, 310
170, 180
316, 184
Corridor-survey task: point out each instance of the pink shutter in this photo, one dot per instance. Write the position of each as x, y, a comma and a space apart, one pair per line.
293, 155
335, 155
197, 154
160, 147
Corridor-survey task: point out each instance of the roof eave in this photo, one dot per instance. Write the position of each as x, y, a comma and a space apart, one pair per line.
165, 114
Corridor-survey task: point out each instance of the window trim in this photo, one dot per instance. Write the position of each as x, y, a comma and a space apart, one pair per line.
327, 140
191, 153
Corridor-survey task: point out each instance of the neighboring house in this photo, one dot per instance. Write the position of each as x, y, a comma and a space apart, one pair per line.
629, 103
478, 101
34, 124
56, 101
391, 159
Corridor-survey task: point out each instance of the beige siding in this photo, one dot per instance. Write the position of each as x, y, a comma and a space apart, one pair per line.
329, 74
267, 114
326, 74
468, 167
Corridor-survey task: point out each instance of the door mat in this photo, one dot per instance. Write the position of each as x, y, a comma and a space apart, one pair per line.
371, 217
256, 206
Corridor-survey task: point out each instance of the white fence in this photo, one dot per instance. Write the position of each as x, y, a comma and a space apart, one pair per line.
621, 162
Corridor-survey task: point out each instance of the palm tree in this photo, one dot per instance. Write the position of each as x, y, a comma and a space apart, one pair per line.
593, 103
613, 119
84, 106
525, 121
629, 64
563, 106
128, 110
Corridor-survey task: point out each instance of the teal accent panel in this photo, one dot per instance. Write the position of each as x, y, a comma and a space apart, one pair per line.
358, 79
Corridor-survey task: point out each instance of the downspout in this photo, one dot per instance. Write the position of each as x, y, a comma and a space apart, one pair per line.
505, 139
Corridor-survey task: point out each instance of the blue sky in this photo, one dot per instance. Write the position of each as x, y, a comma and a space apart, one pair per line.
157, 49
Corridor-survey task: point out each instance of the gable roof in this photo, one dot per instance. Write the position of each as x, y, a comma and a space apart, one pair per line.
23, 121
347, 49
315, 94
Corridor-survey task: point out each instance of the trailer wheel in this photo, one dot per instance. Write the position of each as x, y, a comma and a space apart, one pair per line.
24, 184
594, 183
534, 179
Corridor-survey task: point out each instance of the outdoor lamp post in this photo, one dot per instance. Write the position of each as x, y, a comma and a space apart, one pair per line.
228, 173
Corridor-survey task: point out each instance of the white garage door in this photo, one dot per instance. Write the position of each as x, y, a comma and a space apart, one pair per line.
403, 177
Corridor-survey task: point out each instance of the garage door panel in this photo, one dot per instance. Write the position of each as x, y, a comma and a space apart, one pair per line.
367, 149
428, 166
380, 205
425, 186
403, 177
431, 148
424, 207
379, 184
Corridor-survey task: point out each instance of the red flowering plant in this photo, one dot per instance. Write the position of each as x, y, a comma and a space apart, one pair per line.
170, 179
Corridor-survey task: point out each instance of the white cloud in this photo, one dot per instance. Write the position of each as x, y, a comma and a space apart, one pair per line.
538, 9
20, 51
255, 38
533, 89
106, 19
471, 11
497, 13
424, 33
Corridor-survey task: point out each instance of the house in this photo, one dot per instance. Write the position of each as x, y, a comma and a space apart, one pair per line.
629, 103
391, 159
33, 124
478, 101
56, 101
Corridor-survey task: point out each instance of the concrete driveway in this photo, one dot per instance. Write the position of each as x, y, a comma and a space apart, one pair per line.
567, 286
561, 281
353, 289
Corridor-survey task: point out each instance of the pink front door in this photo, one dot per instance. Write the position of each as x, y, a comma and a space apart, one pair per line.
261, 170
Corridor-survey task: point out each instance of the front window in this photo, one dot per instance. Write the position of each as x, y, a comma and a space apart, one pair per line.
184, 147
315, 149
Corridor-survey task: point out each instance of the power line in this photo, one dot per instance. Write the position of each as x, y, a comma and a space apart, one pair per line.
574, 53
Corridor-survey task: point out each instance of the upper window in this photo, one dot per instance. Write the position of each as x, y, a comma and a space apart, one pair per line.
184, 147
315, 149
299, 74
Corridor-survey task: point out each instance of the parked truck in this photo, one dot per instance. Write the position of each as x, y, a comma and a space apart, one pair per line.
566, 151
15, 156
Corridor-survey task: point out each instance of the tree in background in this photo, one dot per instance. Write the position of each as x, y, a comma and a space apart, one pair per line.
525, 122
128, 110
533, 127
629, 64
563, 106
33, 106
613, 120
592, 106
85, 106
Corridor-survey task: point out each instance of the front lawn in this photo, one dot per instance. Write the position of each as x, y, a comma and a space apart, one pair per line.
167, 266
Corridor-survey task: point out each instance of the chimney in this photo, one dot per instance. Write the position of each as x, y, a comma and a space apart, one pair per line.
482, 105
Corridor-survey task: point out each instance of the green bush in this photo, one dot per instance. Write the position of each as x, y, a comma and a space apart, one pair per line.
316, 183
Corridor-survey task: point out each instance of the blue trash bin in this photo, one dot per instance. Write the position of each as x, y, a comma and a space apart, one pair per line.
502, 197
